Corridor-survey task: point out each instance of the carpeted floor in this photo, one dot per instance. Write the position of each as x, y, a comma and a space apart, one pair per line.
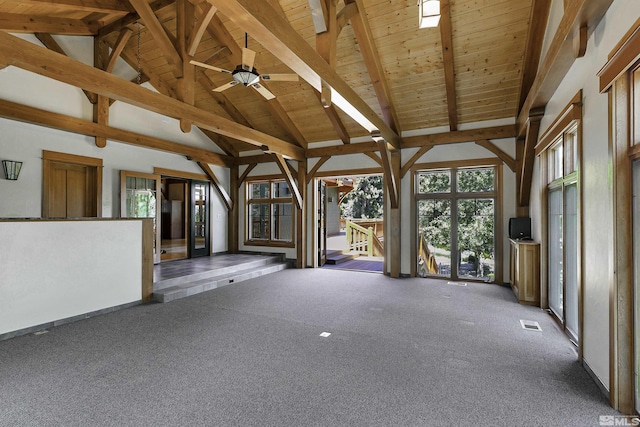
408, 352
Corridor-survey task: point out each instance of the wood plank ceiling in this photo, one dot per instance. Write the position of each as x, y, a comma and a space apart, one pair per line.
468, 70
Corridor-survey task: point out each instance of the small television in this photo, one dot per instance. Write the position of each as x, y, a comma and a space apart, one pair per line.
520, 228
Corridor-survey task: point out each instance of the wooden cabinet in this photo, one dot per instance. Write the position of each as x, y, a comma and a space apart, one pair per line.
525, 271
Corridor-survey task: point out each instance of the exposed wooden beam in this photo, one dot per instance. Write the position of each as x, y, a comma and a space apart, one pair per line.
258, 158
338, 150
506, 159
395, 222
559, 57
495, 132
301, 217
272, 31
118, 47
316, 167
284, 168
407, 166
101, 107
246, 173
449, 70
158, 33
533, 129
101, 6
345, 14
326, 46
206, 14
232, 217
580, 42
129, 19
185, 16
391, 179
18, 23
219, 31
50, 43
23, 113
538, 18
336, 122
26, 55
360, 25
216, 184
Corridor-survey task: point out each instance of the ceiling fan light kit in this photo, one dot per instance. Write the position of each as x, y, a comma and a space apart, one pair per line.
247, 75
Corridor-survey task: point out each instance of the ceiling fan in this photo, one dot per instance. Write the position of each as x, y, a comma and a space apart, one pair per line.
247, 75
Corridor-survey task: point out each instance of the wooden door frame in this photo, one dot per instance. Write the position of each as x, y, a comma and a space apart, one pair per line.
123, 202
615, 79
49, 157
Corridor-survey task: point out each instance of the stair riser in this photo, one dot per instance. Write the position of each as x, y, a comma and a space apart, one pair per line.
196, 289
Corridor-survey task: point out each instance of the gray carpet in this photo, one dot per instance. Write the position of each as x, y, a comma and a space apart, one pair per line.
409, 352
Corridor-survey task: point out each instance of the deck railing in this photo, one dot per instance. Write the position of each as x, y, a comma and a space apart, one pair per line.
427, 262
363, 240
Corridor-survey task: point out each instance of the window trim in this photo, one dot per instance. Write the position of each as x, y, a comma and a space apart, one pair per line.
270, 201
569, 121
497, 194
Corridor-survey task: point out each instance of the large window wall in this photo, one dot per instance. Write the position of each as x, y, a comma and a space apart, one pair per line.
456, 222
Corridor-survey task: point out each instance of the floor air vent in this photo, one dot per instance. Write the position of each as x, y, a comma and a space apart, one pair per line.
530, 325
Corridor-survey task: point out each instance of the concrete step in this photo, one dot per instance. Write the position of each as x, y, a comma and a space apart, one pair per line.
340, 257
258, 262
202, 285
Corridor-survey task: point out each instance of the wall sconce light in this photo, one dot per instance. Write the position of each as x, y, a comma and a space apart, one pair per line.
429, 13
11, 169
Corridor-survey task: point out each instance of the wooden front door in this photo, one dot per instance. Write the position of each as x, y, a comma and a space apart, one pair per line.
71, 186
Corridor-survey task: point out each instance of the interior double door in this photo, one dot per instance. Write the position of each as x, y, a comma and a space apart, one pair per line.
185, 219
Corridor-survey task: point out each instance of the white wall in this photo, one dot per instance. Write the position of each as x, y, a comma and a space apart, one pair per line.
25, 142
53, 270
597, 214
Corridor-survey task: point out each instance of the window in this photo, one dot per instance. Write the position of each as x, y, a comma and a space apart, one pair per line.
269, 213
456, 222
139, 199
562, 228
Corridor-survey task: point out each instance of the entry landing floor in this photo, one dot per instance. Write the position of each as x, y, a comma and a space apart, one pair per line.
186, 267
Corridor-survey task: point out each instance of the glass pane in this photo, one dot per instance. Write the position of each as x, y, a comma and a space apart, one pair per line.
130, 182
200, 215
557, 157
434, 237
555, 252
282, 222
571, 259
259, 221
476, 180
260, 190
571, 151
281, 189
434, 182
476, 252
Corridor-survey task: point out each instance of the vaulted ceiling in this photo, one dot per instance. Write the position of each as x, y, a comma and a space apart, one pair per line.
397, 77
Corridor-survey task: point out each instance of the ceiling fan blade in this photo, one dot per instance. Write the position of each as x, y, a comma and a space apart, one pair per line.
210, 67
225, 86
263, 91
280, 77
248, 58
